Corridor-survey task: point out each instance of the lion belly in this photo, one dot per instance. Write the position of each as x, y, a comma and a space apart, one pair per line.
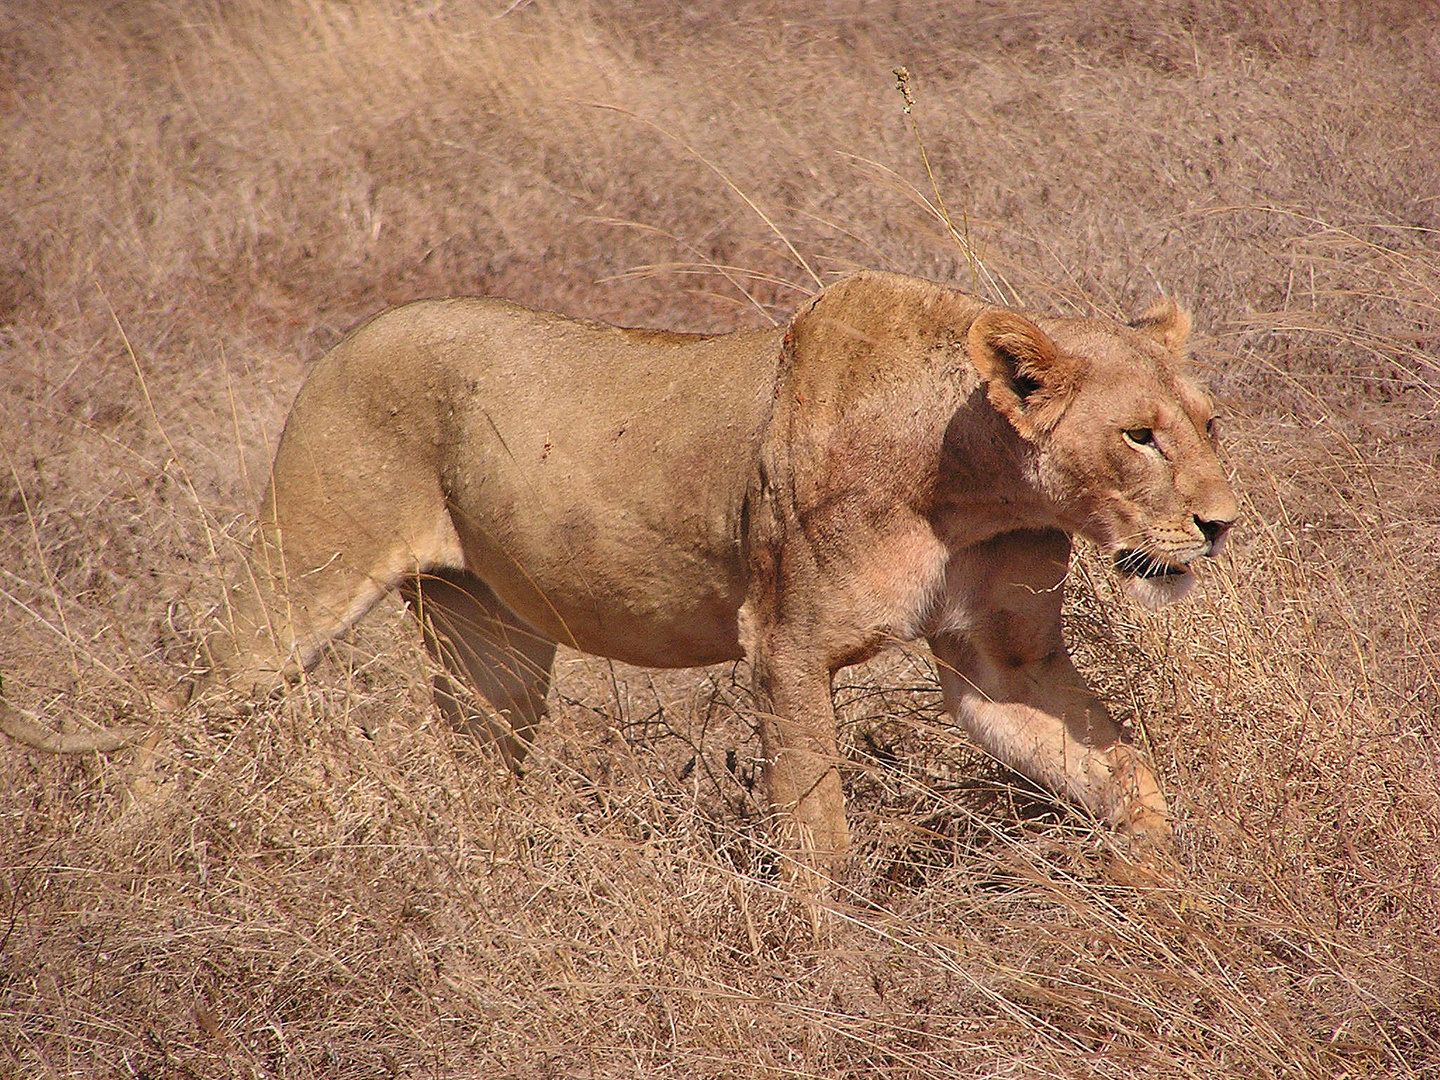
605, 586
597, 477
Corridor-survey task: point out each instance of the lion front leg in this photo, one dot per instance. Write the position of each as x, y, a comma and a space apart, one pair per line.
1009, 680
1040, 719
801, 774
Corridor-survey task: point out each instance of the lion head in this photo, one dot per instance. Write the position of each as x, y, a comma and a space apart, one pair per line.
1122, 440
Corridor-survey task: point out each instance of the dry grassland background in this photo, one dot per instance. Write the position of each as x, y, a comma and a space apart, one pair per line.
197, 199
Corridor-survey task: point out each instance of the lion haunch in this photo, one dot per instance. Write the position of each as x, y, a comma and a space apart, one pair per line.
899, 461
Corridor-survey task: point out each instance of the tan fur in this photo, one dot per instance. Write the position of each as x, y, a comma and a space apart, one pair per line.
900, 461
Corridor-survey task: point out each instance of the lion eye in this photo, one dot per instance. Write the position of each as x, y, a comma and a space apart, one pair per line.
1212, 428
1140, 436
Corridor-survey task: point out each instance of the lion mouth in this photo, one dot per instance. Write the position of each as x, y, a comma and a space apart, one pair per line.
1140, 564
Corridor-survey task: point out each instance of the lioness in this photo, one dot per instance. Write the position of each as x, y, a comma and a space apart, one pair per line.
899, 461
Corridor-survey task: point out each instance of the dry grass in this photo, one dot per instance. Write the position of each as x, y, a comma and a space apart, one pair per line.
200, 197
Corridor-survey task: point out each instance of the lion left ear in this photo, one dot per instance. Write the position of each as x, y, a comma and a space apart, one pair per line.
1027, 378
1167, 322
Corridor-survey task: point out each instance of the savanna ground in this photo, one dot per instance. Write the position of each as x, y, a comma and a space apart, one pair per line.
199, 198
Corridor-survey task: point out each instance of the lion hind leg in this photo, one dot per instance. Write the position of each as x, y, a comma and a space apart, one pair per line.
312, 578
479, 641
273, 629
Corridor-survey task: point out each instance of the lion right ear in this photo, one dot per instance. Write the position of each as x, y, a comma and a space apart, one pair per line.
1167, 322
1026, 377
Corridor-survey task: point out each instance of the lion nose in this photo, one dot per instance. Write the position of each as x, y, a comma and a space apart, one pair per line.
1214, 532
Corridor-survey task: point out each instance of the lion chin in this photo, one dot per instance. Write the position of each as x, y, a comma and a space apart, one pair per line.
1152, 582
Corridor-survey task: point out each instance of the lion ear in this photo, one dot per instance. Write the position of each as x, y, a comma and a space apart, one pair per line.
1167, 322
1027, 379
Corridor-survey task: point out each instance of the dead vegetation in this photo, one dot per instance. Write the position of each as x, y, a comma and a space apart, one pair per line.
199, 198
